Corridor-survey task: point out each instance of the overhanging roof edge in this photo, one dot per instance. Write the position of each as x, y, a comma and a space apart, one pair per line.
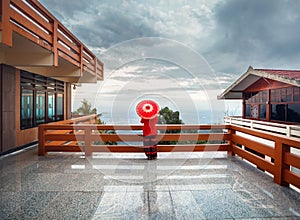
258, 73
280, 78
223, 94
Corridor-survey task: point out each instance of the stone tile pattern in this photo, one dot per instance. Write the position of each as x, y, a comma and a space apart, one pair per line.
127, 186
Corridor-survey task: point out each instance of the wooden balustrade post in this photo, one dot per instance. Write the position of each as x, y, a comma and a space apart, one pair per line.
88, 140
93, 119
279, 165
81, 59
95, 65
6, 24
230, 151
55, 42
41, 136
288, 131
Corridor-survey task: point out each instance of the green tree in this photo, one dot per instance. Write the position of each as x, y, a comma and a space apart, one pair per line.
168, 116
85, 108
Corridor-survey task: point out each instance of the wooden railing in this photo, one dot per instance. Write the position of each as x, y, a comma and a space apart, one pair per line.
90, 119
88, 139
32, 20
274, 157
86, 119
288, 130
269, 152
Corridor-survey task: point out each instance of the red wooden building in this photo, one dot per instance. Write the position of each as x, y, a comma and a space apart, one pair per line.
268, 95
40, 62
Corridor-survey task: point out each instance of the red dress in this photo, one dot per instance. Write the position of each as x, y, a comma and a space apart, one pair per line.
149, 128
150, 133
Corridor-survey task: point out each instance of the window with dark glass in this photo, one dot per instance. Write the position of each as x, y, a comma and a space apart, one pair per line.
51, 106
41, 100
263, 96
262, 111
289, 94
278, 112
40, 107
26, 108
293, 113
256, 104
296, 94
273, 96
60, 107
248, 111
283, 95
285, 104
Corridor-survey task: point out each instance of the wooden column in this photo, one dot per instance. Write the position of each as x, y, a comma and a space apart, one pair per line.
8, 110
1, 133
230, 152
244, 106
280, 166
268, 105
67, 101
88, 141
41, 151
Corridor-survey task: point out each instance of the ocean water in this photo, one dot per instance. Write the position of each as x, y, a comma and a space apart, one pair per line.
203, 117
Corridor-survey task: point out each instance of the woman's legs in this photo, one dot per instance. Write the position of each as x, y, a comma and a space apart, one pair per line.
150, 147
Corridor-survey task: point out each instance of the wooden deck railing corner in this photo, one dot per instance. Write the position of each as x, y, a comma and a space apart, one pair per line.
269, 152
283, 162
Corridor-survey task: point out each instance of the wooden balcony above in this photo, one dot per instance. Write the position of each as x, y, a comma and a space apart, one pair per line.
32, 39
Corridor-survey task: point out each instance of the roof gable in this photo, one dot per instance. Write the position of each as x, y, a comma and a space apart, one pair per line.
235, 91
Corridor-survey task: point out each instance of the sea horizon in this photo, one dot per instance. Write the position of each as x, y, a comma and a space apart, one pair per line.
200, 117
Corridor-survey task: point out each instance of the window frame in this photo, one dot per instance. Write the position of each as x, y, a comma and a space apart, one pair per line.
38, 83
254, 100
284, 96
27, 120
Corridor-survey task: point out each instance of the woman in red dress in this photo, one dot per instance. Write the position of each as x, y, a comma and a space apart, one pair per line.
150, 137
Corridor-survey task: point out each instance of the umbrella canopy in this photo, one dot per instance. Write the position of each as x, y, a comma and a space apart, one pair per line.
147, 109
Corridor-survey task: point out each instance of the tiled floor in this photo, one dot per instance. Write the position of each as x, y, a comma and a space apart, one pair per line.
127, 186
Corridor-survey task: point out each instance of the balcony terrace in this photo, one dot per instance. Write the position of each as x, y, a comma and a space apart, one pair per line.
32, 39
80, 177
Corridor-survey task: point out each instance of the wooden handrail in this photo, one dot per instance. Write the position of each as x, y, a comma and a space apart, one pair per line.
255, 150
269, 152
88, 119
67, 131
288, 130
32, 20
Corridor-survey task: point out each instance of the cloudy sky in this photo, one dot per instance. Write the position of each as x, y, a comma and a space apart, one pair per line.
181, 53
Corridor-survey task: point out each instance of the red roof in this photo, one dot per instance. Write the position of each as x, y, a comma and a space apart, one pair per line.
292, 74
235, 91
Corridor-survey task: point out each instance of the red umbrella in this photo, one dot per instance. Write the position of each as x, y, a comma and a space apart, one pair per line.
147, 109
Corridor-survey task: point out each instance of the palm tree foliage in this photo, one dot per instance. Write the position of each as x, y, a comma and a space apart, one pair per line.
86, 109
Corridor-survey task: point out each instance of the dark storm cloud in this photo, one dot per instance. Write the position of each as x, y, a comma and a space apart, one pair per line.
112, 27
102, 23
259, 31
230, 34
65, 9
